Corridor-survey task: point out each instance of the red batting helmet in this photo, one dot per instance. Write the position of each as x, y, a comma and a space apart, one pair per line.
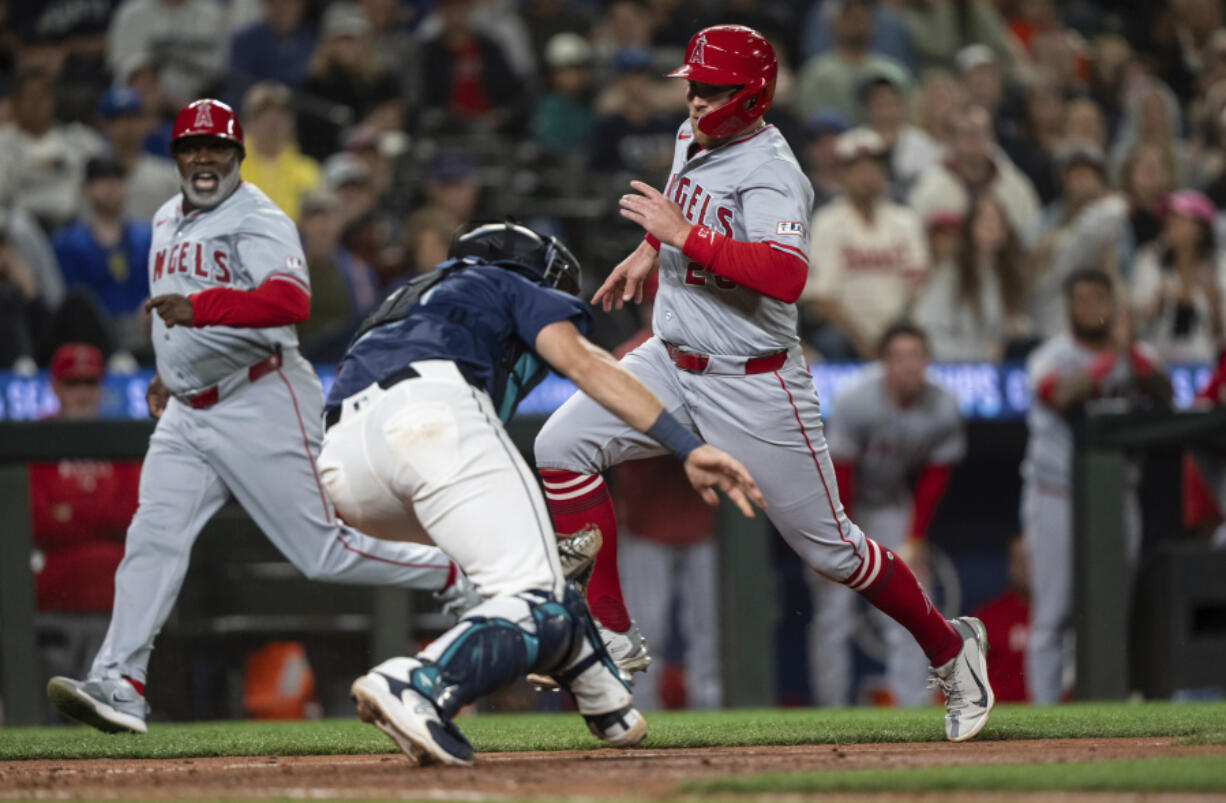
731, 55
207, 118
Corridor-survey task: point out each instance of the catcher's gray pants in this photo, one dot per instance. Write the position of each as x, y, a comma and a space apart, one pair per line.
1047, 527
259, 445
837, 611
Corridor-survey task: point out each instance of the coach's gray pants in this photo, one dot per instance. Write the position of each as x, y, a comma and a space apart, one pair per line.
258, 445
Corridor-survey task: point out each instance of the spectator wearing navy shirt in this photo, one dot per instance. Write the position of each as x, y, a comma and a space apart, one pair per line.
277, 48
103, 255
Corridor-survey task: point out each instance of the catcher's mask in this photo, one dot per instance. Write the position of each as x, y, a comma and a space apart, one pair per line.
540, 257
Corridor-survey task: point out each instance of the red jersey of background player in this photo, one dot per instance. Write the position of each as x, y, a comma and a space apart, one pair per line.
80, 509
1007, 618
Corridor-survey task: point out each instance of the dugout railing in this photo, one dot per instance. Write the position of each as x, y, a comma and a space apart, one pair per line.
389, 615
1105, 439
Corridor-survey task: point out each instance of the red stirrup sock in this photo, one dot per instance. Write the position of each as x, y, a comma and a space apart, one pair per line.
575, 501
888, 583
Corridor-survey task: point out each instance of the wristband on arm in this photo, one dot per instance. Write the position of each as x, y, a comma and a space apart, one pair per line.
672, 436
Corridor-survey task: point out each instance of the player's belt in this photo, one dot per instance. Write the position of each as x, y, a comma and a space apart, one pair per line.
696, 363
207, 398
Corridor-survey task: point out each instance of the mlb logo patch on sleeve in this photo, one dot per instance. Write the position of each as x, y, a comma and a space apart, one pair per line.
294, 263
791, 227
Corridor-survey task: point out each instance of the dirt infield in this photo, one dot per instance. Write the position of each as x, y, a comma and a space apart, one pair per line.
643, 773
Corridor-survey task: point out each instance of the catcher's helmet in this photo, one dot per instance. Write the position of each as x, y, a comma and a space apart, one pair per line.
731, 55
207, 118
544, 258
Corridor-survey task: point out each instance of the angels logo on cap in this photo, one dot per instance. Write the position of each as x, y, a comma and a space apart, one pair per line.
204, 116
697, 56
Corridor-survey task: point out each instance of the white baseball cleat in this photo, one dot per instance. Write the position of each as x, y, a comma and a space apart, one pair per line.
112, 705
964, 680
410, 719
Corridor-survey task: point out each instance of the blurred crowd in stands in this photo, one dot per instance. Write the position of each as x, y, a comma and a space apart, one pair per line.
967, 155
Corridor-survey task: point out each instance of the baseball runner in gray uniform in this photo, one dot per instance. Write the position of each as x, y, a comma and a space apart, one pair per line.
1089, 361
893, 436
238, 414
732, 256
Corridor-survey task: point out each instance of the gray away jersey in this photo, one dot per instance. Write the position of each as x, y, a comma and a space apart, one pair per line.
751, 189
240, 244
1049, 449
887, 444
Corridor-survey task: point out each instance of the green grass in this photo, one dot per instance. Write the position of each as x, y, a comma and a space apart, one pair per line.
1179, 774
1198, 723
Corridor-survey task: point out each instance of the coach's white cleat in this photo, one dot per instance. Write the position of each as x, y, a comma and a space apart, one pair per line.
964, 679
410, 719
110, 705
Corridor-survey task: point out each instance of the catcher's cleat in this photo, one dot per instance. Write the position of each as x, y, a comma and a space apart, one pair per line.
410, 719
622, 728
964, 679
110, 705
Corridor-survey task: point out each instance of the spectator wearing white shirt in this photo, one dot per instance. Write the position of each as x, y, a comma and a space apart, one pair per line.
884, 105
42, 161
971, 304
871, 255
126, 123
975, 166
1178, 283
185, 38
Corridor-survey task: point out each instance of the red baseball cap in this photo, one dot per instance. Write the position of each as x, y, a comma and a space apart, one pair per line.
76, 361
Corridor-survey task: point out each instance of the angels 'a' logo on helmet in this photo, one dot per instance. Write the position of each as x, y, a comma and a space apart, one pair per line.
204, 116
697, 57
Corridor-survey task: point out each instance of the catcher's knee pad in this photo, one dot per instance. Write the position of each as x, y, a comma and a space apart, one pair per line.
497, 642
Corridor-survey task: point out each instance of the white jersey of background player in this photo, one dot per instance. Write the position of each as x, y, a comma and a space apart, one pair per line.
894, 436
733, 258
238, 416
1087, 362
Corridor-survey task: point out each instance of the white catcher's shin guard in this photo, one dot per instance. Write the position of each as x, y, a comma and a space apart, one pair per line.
601, 696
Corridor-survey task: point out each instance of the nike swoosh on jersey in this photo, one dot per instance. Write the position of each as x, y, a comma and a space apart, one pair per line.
683, 136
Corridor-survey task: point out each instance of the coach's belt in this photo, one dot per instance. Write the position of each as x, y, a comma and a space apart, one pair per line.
210, 396
697, 363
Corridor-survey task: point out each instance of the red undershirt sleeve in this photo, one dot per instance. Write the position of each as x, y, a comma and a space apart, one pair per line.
929, 488
1212, 389
279, 301
845, 477
765, 267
